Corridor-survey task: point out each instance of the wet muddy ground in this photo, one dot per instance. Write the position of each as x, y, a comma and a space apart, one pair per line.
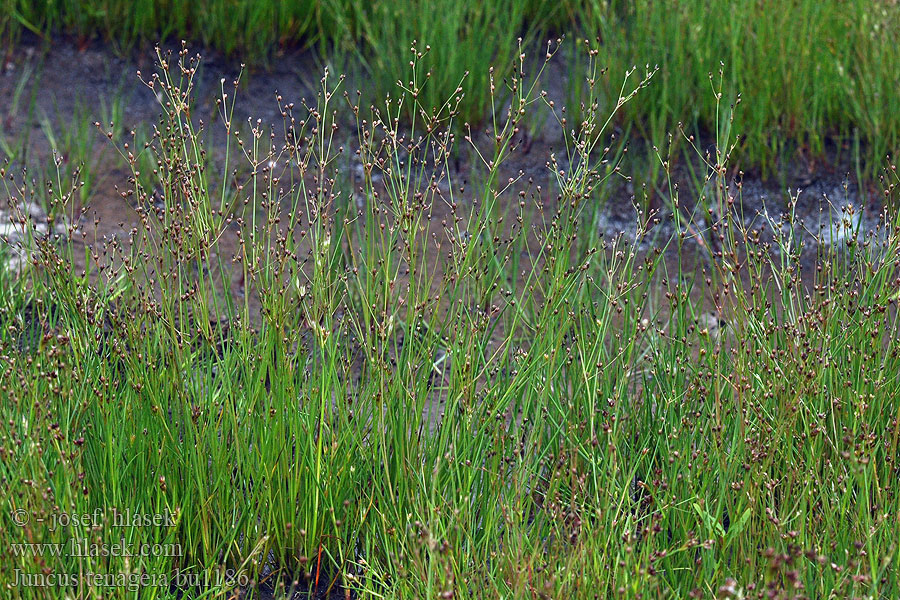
43, 91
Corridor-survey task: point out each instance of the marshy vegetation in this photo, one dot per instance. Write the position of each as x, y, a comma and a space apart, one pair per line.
366, 352
811, 73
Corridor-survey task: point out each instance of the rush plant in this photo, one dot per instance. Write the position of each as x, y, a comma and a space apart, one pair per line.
332, 365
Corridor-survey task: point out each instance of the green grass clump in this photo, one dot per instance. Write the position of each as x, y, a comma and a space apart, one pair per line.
810, 72
453, 44
412, 386
252, 27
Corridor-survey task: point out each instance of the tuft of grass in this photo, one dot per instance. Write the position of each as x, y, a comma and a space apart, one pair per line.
402, 384
814, 72
455, 46
252, 28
